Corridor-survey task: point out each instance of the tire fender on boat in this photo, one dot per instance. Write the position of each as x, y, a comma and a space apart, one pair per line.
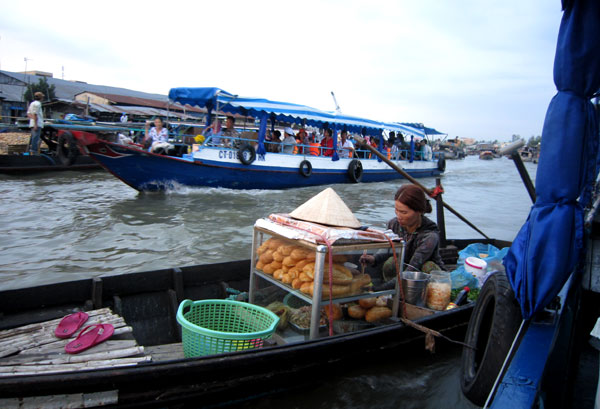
305, 168
246, 154
66, 149
355, 171
441, 165
495, 321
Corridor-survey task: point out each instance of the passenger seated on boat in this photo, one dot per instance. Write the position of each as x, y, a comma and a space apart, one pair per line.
274, 143
155, 135
289, 142
213, 131
426, 152
327, 143
302, 139
345, 147
314, 146
421, 235
230, 134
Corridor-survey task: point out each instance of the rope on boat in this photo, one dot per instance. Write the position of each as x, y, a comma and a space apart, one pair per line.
430, 334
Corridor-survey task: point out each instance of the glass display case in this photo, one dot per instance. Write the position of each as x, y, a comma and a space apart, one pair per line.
301, 268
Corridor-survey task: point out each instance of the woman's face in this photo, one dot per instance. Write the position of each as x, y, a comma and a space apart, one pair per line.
158, 123
405, 215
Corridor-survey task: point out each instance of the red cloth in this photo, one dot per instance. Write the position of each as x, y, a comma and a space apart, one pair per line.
328, 147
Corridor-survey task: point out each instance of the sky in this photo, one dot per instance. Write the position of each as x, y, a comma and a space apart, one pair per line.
468, 68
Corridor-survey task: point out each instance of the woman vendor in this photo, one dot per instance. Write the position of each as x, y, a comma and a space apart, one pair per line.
421, 235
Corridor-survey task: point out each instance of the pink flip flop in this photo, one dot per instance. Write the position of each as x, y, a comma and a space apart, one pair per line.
70, 324
88, 337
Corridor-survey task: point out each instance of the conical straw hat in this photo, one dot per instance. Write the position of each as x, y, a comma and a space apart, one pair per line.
326, 208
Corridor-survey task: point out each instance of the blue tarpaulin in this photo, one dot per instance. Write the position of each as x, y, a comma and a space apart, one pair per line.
549, 245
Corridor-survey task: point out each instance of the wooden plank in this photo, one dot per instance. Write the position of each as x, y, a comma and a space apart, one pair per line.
58, 348
7, 371
75, 400
166, 352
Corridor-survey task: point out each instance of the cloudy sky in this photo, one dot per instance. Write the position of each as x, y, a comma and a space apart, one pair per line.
469, 68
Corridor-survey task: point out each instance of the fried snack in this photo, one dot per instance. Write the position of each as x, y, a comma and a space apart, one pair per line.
277, 256
298, 254
286, 278
260, 265
356, 311
336, 311
301, 263
266, 257
276, 265
288, 261
377, 314
367, 303
296, 283
278, 274
306, 287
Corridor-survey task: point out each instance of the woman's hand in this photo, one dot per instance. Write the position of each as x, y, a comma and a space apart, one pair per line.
367, 259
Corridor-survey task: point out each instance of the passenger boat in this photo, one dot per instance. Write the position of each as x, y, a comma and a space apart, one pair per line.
248, 165
143, 308
532, 328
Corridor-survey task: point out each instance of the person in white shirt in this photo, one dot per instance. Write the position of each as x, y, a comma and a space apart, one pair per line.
289, 142
157, 134
345, 147
426, 151
124, 117
36, 122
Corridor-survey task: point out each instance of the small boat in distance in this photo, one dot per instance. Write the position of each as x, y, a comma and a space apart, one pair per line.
486, 155
247, 160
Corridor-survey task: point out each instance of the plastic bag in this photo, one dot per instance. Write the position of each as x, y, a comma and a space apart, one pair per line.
492, 256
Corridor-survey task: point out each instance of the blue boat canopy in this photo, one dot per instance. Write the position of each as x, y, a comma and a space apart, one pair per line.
216, 98
549, 245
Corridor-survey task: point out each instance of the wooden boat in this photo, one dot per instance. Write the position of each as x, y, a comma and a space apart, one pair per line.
486, 155
62, 152
160, 375
243, 162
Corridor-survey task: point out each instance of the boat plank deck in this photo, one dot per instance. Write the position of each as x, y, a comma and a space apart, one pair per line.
34, 349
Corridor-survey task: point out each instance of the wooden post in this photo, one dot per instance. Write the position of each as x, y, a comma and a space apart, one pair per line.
440, 215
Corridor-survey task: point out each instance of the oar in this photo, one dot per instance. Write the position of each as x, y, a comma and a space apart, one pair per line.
415, 182
512, 150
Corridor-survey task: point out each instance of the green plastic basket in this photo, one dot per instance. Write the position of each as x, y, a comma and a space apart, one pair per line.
218, 326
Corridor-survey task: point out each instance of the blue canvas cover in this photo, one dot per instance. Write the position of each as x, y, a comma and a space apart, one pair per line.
549, 245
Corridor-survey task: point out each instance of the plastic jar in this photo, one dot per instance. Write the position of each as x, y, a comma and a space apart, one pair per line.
438, 290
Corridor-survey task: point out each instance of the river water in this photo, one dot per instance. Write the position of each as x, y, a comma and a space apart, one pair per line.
71, 225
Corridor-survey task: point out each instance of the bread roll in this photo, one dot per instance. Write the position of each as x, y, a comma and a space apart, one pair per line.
298, 254
276, 265
309, 268
358, 282
304, 277
367, 303
266, 257
268, 269
294, 272
335, 309
311, 256
287, 249
356, 311
306, 287
278, 274
296, 283
288, 261
301, 263
286, 278
260, 265
274, 243
285, 269
262, 248
337, 290
377, 314
277, 256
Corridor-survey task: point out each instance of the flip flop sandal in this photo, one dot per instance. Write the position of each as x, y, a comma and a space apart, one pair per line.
88, 337
70, 324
